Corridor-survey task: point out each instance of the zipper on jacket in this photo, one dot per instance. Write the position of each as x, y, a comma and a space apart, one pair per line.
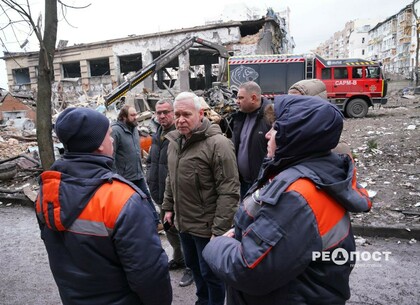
198, 186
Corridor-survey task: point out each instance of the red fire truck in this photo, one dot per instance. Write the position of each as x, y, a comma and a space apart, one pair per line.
352, 84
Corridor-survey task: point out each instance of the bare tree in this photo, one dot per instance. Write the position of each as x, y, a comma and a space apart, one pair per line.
45, 65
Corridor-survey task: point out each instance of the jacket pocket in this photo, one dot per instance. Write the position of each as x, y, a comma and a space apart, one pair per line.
259, 238
198, 187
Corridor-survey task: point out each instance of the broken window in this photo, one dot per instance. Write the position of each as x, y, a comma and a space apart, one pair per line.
167, 75
71, 69
21, 76
99, 67
130, 63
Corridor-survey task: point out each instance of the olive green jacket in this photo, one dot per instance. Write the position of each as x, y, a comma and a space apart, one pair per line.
202, 186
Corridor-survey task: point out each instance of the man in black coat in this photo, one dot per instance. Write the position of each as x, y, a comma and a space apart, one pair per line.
157, 170
249, 129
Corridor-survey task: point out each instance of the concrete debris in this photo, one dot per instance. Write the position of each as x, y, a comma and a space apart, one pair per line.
385, 148
360, 241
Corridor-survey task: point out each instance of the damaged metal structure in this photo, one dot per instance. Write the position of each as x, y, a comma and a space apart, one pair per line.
86, 74
90, 71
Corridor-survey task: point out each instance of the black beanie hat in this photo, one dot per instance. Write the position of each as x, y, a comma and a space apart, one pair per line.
81, 129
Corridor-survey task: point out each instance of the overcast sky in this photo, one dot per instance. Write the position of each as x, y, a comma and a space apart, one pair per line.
311, 21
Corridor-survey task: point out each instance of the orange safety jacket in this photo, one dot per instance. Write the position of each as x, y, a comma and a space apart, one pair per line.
100, 234
97, 218
285, 235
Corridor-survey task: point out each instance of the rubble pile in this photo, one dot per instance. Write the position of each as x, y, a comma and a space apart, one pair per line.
385, 146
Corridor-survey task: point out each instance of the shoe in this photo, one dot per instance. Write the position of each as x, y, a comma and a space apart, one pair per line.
173, 265
187, 278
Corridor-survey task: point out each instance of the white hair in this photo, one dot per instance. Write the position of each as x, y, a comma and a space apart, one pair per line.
188, 96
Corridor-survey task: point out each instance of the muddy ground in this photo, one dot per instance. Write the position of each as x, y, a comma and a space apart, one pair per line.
385, 145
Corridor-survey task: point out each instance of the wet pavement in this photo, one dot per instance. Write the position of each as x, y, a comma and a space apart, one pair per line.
387, 271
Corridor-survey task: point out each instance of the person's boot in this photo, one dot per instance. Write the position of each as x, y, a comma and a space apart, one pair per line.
187, 278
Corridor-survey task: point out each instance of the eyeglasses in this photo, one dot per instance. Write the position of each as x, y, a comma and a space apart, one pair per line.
164, 112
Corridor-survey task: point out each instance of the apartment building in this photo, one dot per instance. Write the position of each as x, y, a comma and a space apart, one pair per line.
392, 41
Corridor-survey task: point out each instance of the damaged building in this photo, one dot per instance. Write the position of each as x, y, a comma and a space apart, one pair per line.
93, 70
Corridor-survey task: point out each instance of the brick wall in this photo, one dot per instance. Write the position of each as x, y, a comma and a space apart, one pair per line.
11, 103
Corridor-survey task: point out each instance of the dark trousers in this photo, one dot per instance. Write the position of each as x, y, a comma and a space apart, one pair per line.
174, 240
210, 290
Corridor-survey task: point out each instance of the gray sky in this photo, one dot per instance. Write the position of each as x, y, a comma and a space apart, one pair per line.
311, 21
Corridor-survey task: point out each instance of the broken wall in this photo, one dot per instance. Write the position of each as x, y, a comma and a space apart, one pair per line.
77, 82
12, 104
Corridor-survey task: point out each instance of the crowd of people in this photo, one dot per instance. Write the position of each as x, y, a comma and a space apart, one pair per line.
244, 215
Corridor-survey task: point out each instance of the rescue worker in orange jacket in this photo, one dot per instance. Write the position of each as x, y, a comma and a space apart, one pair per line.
98, 228
296, 211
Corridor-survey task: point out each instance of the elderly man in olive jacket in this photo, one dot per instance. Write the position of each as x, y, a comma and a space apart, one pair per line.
202, 189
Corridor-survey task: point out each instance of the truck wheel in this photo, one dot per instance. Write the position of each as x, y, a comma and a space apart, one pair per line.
357, 108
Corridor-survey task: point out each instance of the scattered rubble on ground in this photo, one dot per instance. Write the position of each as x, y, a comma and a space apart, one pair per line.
385, 146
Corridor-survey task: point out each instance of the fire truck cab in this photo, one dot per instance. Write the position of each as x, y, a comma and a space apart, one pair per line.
352, 84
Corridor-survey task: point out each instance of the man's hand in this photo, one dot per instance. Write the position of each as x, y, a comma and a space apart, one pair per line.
168, 217
230, 233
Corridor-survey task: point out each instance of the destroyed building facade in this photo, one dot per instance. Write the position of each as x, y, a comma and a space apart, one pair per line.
94, 69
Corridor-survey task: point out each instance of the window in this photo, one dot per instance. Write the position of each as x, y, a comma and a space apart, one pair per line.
363, 51
357, 72
372, 72
99, 67
21, 76
130, 63
363, 39
71, 69
326, 73
340, 73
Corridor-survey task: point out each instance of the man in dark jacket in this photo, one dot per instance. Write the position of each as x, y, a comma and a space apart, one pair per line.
98, 228
293, 239
157, 170
127, 154
249, 129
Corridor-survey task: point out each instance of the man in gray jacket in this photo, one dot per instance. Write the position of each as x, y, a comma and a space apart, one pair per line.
127, 154
202, 189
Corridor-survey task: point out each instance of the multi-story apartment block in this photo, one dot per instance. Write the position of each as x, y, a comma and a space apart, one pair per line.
392, 41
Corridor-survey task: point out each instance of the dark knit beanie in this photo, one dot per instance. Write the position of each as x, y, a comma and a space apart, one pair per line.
81, 129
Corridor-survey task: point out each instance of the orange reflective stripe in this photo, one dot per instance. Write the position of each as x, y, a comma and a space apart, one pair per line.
50, 195
326, 210
99, 210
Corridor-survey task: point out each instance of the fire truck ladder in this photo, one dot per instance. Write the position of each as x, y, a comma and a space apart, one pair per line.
310, 67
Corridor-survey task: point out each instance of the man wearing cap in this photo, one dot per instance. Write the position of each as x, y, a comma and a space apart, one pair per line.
97, 227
